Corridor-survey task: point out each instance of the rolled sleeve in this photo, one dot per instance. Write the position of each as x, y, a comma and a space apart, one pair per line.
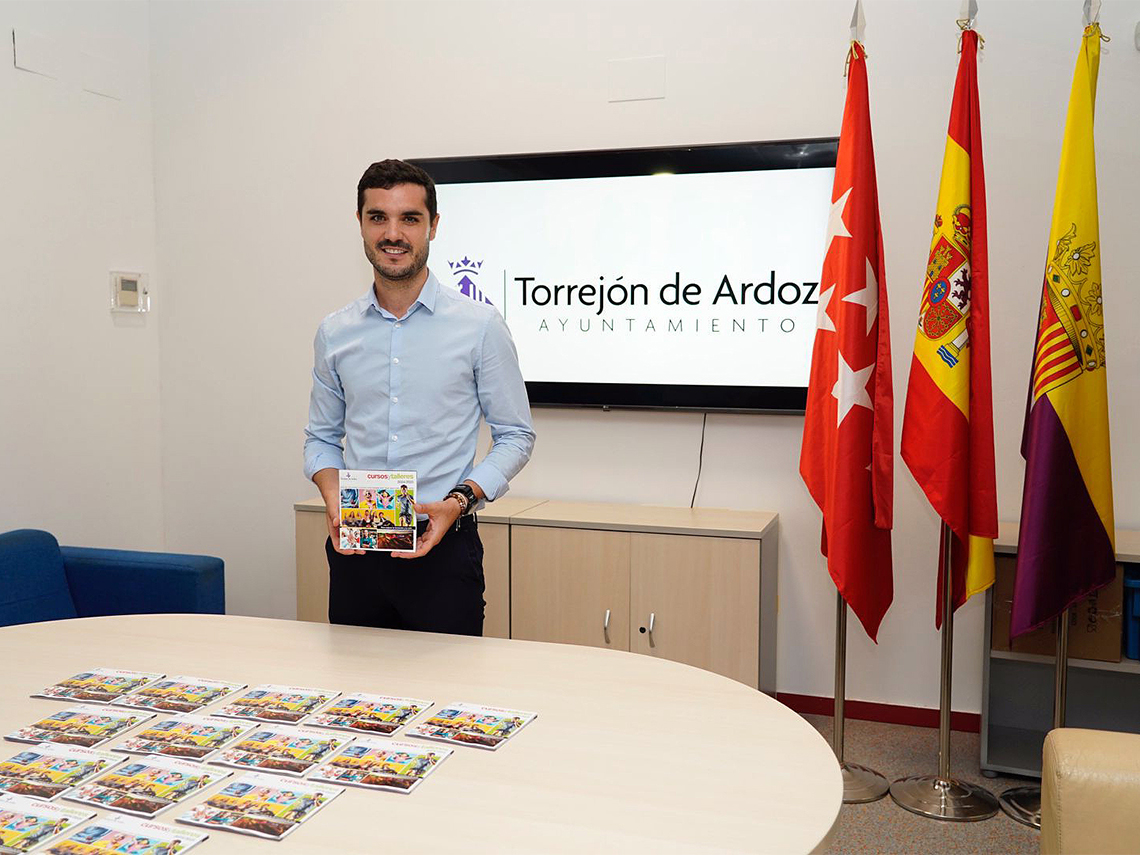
506, 409
325, 431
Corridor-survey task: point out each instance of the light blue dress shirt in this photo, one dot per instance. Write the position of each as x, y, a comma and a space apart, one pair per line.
407, 393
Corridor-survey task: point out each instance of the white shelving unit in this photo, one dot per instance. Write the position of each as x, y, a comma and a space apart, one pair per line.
1017, 688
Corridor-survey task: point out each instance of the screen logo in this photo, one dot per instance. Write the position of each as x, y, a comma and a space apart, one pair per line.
464, 273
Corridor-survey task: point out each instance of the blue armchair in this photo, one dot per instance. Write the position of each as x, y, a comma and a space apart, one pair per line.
40, 580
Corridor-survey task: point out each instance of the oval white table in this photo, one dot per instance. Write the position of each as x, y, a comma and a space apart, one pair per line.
628, 754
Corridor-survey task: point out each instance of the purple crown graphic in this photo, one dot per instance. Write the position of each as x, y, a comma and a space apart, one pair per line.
464, 271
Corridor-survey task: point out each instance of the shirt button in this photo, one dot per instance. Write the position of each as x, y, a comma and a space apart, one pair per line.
396, 360
394, 437
395, 400
397, 326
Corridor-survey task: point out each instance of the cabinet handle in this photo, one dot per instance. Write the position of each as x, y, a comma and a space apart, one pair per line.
606, 627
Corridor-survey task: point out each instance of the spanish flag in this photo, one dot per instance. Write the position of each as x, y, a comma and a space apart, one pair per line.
948, 433
1066, 542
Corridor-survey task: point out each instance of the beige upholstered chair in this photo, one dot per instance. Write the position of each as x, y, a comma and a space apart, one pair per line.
1090, 792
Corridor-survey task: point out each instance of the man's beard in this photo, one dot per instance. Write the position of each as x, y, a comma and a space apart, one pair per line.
375, 255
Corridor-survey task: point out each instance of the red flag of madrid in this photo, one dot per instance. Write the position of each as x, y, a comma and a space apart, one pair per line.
847, 454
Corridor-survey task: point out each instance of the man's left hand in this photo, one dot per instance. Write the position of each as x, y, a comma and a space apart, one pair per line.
441, 516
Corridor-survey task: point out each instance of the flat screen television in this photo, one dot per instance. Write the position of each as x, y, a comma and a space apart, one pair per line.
662, 278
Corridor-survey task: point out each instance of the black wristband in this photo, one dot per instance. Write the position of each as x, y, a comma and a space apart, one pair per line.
466, 492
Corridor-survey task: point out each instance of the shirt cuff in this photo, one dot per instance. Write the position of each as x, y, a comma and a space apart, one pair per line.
490, 479
322, 460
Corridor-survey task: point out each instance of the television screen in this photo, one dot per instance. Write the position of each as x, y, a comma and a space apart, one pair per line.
678, 278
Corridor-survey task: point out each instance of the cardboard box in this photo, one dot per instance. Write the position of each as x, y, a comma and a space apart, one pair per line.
1096, 625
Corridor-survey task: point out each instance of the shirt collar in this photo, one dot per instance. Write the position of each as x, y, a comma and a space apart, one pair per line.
427, 298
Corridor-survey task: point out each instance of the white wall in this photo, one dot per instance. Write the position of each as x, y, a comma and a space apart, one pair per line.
79, 415
266, 113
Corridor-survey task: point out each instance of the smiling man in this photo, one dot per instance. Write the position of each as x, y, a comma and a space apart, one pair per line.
401, 378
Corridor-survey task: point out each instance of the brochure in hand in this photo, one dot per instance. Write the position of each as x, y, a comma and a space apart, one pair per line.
194, 737
26, 823
469, 724
288, 704
146, 787
45, 771
116, 834
377, 714
377, 510
80, 725
179, 694
99, 685
281, 748
261, 805
382, 764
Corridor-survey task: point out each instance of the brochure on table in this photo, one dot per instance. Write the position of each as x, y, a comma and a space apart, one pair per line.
375, 714
99, 685
263, 805
281, 749
382, 764
147, 786
280, 704
179, 694
117, 834
471, 724
193, 737
27, 823
377, 510
48, 769
82, 724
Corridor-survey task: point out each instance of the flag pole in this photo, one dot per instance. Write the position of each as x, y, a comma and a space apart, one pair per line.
860, 784
941, 796
1024, 803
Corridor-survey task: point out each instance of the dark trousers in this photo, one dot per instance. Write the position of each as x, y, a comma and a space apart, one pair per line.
440, 592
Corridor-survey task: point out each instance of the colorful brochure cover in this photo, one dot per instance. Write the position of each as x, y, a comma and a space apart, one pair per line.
281, 748
26, 823
179, 694
469, 724
80, 725
147, 786
195, 737
381, 764
261, 805
99, 685
288, 704
45, 771
378, 714
119, 834
378, 510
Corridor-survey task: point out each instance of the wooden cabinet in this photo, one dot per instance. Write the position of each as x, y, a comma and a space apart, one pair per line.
594, 574
702, 597
564, 584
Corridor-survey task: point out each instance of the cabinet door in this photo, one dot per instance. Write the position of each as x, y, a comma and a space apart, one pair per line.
497, 574
312, 567
564, 580
704, 595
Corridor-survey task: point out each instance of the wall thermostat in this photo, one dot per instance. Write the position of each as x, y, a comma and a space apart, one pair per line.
129, 292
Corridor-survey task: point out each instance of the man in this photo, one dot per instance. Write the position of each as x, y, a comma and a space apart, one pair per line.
402, 376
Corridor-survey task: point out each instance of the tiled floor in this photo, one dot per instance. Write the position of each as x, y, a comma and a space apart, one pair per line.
883, 827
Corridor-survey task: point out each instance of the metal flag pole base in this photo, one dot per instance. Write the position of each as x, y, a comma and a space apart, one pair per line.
860, 784
1024, 803
940, 796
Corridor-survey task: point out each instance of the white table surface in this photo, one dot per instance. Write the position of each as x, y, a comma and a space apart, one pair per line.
628, 754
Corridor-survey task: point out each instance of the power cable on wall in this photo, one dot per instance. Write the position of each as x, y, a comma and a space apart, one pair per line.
700, 460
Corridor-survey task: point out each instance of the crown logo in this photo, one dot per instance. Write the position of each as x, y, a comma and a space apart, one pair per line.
465, 265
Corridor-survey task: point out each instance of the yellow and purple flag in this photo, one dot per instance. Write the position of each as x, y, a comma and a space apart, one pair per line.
948, 428
1066, 543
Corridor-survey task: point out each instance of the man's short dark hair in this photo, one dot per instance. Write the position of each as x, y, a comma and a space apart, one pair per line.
386, 174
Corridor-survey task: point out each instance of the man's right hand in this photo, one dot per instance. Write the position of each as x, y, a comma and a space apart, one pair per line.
328, 482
